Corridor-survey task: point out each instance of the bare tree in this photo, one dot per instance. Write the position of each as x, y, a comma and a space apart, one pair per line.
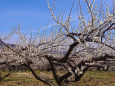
76, 49
91, 38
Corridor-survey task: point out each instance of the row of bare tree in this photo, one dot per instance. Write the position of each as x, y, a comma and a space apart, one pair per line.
89, 44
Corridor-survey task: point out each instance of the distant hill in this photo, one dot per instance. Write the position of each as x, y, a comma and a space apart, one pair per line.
12, 45
1, 44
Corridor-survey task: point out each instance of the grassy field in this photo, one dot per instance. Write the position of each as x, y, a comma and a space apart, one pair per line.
91, 78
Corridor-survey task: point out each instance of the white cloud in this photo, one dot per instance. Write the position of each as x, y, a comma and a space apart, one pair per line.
49, 26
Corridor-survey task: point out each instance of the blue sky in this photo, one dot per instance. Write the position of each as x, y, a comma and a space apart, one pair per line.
32, 15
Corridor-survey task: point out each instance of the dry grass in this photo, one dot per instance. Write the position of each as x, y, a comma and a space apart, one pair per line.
91, 78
